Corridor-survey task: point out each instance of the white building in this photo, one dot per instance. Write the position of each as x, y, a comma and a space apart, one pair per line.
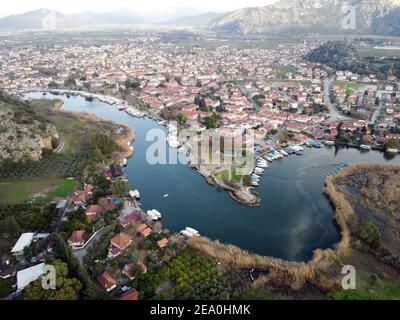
24, 240
26, 276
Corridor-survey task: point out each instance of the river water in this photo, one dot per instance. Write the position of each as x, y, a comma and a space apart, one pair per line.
294, 218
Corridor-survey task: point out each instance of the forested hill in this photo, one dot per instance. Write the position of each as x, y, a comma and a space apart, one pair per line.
342, 55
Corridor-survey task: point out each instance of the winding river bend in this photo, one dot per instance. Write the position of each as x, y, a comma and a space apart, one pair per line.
294, 218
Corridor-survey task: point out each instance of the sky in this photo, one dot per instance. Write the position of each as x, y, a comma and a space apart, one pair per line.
77, 6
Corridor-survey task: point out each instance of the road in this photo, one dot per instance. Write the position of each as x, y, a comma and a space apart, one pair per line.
333, 111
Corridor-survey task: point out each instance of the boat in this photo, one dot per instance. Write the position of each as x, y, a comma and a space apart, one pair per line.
329, 143
283, 152
365, 147
173, 142
189, 232
165, 195
134, 113
121, 107
255, 184
193, 231
262, 164
154, 214
134, 194
124, 161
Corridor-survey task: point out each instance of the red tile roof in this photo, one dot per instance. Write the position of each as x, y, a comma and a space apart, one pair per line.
130, 295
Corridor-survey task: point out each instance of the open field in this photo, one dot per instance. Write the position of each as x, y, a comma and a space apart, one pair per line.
352, 86
14, 192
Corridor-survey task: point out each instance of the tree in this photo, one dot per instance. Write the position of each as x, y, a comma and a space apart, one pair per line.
66, 288
104, 143
120, 189
369, 232
11, 226
392, 144
211, 122
53, 84
182, 118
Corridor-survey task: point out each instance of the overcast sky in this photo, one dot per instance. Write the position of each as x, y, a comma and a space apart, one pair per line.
77, 6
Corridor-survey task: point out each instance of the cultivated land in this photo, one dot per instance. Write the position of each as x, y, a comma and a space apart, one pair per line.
37, 189
46, 179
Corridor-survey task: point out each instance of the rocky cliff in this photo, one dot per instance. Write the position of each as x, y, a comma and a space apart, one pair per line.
23, 133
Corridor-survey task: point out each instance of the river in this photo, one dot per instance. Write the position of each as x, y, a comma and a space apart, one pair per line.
294, 217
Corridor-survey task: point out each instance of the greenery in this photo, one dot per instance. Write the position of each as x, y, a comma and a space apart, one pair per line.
374, 289
211, 122
103, 144
6, 287
369, 232
76, 221
52, 165
66, 288
120, 189
15, 219
90, 291
190, 275
37, 189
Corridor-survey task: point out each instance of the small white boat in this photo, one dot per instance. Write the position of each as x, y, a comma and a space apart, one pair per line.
165, 195
283, 152
329, 143
193, 231
154, 214
173, 142
134, 194
365, 147
124, 161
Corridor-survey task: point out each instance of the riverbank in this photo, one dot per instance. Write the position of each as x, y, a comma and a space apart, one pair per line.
123, 139
241, 195
323, 272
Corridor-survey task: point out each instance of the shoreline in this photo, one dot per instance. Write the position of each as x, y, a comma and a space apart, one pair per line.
123, 143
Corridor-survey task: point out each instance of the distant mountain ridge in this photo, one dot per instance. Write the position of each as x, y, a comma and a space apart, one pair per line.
201, 20
317, 16
44, 19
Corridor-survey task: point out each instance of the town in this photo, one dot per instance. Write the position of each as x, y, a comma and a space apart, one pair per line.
287, 102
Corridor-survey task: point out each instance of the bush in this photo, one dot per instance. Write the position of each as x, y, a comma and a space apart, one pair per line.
369, 232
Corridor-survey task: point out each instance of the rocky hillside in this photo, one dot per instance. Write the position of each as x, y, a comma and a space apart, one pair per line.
306, 16
23, 133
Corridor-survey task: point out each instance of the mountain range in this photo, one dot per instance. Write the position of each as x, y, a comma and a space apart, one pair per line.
316, 16
44, 19
380, 17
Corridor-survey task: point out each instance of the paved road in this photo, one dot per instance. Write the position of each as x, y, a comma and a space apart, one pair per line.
333, 111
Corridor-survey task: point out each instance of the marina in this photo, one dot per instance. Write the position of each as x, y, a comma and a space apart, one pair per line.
293, 219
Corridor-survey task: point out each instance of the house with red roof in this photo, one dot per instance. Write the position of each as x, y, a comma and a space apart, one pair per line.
130, 295
107, 281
